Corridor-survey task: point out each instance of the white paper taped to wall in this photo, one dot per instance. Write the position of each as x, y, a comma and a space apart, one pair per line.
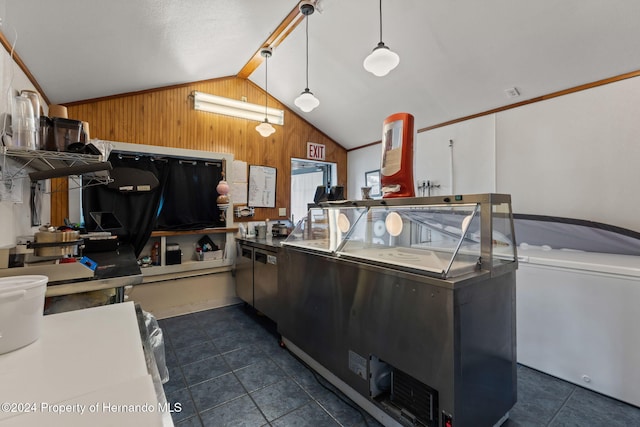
238, 172
239, 193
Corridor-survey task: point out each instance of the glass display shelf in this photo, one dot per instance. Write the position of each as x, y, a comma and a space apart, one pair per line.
439, 236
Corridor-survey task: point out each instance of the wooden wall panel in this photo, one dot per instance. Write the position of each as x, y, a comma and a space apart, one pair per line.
165, 117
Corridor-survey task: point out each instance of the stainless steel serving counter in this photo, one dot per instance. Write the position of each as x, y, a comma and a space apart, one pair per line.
257, 274
407, 306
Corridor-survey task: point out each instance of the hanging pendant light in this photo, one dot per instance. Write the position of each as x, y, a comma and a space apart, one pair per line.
382, 59
265, 129
307, 101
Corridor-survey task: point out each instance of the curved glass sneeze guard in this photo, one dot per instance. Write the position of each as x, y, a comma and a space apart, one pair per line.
442, 240
324, 228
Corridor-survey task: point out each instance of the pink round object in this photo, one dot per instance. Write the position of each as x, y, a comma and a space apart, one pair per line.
222, 188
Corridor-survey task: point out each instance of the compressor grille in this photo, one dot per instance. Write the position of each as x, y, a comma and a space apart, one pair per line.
418, 402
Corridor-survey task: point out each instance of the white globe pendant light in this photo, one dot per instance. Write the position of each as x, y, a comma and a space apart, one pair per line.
382, 59
307, 101
265, 129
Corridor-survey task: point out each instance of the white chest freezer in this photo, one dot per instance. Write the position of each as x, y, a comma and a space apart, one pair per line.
578, 318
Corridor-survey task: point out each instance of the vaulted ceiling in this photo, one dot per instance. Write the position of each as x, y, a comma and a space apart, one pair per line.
457, 57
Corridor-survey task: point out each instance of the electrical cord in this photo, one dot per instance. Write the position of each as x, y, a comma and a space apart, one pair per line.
9, 87
317, 378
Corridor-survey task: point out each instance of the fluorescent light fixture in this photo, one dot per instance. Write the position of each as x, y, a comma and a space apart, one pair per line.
234, 108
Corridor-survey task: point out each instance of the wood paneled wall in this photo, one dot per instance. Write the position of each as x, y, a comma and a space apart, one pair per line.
165, 117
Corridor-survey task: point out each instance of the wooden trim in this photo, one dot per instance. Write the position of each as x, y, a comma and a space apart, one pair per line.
143, 91
365, 146
538, 99
522, 103
16, 58
162, 233
282, 32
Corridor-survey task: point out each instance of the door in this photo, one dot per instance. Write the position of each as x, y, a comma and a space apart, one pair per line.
306, 176
244, 273
265, 267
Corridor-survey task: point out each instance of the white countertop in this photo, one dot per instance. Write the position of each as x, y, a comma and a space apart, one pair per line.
84, 357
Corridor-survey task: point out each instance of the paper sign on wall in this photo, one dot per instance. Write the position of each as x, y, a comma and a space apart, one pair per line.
262, 186
315, 151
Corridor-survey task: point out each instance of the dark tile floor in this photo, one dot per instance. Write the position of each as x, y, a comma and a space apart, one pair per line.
227, 369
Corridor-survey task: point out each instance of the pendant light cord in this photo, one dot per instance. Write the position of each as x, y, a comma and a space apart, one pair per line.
307, 34
266, 84
380, 21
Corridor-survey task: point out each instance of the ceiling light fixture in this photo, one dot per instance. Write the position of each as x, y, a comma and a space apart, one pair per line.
382, 59
265, 129
235, 108
306, 101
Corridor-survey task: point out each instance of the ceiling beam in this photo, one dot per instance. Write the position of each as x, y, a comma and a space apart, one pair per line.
284, 29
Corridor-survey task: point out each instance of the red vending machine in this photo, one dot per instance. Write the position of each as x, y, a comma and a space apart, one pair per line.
396, 168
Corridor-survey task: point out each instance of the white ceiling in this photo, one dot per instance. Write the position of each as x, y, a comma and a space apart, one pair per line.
457, 57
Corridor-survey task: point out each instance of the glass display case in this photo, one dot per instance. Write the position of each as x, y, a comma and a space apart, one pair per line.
407, 305
441, 236
325, 227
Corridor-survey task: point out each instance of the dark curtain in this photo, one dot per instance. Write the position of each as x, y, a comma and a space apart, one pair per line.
189, 198
137, 211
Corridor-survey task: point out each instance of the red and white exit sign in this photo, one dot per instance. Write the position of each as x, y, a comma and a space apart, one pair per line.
315, 151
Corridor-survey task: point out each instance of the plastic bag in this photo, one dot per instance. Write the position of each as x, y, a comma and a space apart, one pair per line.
156, 342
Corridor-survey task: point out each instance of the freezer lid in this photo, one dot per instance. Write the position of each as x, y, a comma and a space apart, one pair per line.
626, 265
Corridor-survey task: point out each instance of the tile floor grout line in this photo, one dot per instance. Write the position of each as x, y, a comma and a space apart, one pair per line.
564, 403
252, 399
327, 411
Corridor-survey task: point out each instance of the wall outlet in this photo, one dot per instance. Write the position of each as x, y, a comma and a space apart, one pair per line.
282, 211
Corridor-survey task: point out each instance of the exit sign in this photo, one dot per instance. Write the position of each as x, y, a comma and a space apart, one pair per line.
315, 151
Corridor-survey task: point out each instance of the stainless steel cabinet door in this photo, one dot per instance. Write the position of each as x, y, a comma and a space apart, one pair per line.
265, 267
244, 274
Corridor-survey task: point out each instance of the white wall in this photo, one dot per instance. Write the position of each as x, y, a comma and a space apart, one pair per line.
360, 161
472, 152
575, 156
464, 166
16, 218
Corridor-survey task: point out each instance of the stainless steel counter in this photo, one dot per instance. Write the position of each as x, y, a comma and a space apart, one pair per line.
257, 274
407, 305
268, 243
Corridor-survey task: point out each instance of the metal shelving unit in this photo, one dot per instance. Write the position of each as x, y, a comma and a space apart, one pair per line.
39, 164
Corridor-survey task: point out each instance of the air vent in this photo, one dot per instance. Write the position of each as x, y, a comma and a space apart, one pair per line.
417, 401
